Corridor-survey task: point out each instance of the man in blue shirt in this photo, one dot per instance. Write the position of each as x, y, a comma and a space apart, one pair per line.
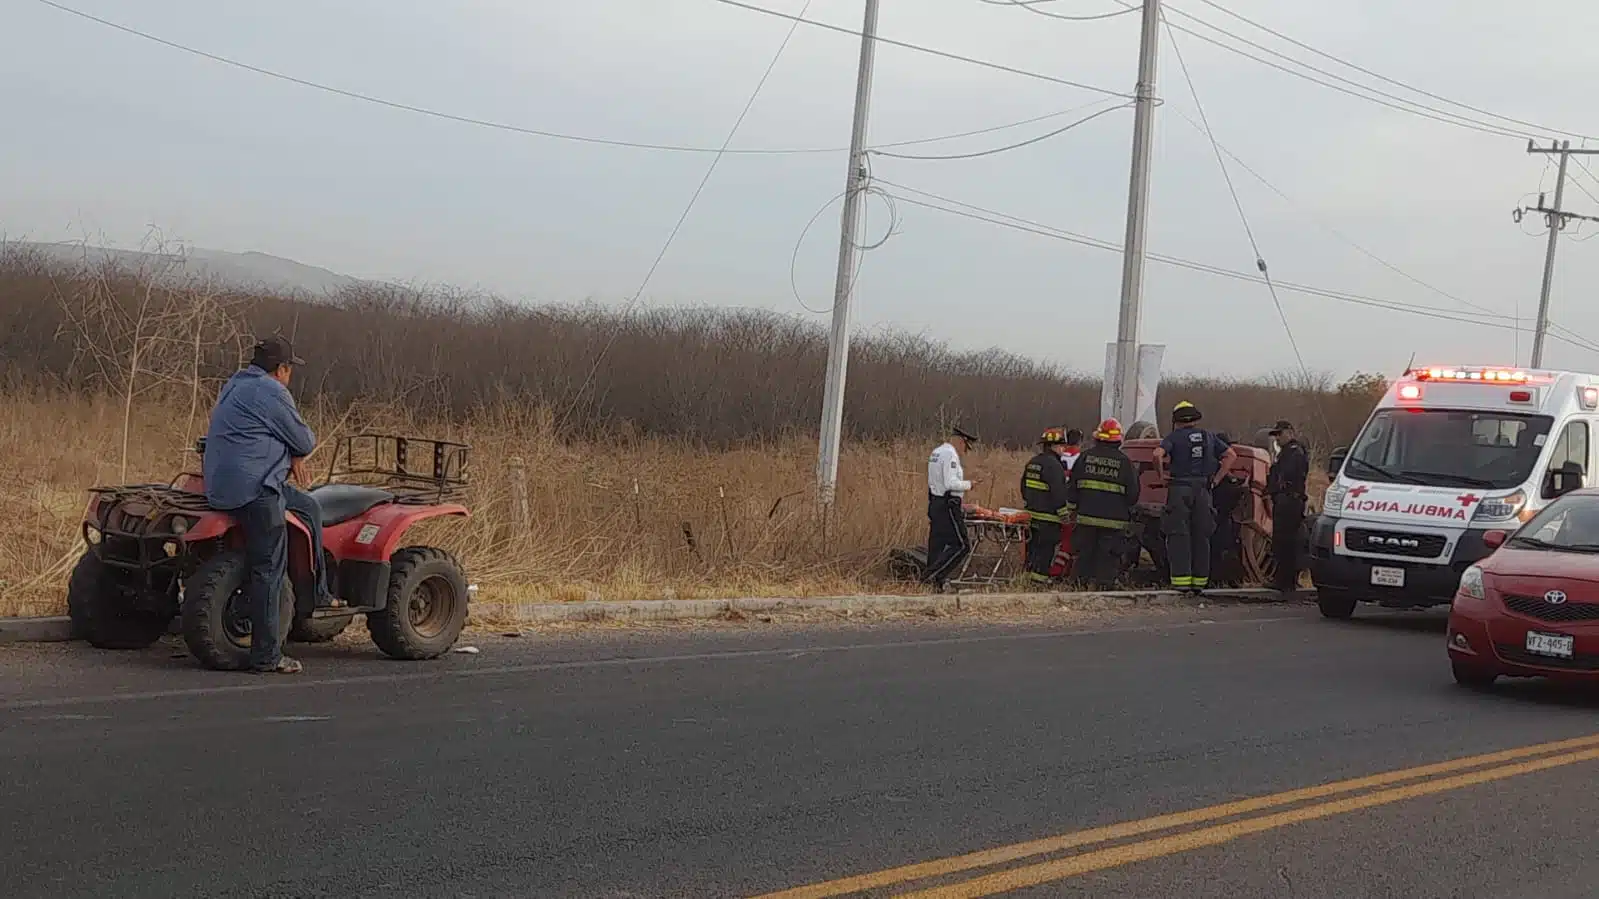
1195, 460
256, 440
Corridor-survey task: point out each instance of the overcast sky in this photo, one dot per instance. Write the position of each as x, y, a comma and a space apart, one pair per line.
108, 134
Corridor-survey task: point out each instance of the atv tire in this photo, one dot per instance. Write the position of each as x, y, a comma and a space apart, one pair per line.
100, 612
319, 630
216, 616
426, 608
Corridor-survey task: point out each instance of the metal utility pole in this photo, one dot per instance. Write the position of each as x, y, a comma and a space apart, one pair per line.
1124, 386
1557, 218
844, 285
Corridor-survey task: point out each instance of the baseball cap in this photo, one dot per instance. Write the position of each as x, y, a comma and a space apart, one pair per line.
271, 352
1281, 426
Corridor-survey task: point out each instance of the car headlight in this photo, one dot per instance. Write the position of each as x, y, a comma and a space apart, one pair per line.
1471, 583
1333, 502
1501, 508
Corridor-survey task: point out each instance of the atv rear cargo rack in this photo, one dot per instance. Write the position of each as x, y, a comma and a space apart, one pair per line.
417, 470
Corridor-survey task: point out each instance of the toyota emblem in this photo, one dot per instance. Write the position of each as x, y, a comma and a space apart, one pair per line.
1554, 597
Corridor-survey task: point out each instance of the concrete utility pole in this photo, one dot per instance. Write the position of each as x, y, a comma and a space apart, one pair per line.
1556, 218
844, 285
1124, 387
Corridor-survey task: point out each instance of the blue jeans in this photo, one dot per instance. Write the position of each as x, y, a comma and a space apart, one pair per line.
304, 505
265, 553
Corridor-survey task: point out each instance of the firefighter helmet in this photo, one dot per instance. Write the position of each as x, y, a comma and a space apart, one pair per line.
1185, 413
1110, 431
1052, 436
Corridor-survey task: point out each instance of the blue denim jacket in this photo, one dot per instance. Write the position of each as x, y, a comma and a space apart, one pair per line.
255, 430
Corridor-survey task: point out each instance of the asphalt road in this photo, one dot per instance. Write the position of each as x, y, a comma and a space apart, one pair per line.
735, 762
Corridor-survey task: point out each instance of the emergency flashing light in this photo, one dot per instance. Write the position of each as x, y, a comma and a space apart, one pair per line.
1589, 397
1495, 375
1410, 391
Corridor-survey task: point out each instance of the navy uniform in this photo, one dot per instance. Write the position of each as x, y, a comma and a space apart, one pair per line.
1103, 489
1044, 497
1286, 484
1195, 460
948, 544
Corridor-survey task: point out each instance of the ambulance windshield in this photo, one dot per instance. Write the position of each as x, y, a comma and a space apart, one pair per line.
1449, 448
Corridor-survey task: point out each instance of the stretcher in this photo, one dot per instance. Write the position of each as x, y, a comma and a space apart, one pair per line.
999, 547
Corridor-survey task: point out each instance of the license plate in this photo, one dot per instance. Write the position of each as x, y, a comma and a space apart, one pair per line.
1555, 645
1387, 577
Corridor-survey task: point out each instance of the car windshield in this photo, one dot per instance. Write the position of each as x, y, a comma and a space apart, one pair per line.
1449, 448
1569, 524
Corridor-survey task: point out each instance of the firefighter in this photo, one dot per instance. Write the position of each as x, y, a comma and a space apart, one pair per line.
1194, 461
947, 541
1103, 489
1044, 497
1286, 484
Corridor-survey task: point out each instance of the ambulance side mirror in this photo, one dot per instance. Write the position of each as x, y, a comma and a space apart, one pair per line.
1335, 462
1561, 481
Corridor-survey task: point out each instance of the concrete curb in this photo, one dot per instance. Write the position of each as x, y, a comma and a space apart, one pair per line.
36, 630
59, 629
844, 606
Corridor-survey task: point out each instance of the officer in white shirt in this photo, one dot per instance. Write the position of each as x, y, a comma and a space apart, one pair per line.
947, 541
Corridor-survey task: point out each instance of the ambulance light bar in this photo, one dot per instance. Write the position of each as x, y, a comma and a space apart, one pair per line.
1494, 375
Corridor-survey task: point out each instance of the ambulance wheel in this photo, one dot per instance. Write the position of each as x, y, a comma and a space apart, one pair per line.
1337, 606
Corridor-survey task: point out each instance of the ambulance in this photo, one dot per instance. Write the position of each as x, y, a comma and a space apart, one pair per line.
1449, 454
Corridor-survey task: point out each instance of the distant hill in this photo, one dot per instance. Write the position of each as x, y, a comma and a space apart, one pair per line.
244, 270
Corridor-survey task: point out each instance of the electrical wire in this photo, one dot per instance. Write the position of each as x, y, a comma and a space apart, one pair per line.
994, 217
521, 129
677, 227
1377, 75
1032, 7
1402, 105
990, 152
943, 54
793, 261
1243, 218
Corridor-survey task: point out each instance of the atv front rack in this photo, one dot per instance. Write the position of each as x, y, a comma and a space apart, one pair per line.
417, 470
140, 526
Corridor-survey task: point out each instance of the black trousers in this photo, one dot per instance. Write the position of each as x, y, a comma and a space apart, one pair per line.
1098, 552
1042, 540
1287, 517
1189, 521
948, 544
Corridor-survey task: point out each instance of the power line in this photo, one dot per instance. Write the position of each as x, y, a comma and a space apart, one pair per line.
990, 152
1377, 75
1254, 245
678, 225
1032, 7
920, 48
521, 129
969, 210
1402, 105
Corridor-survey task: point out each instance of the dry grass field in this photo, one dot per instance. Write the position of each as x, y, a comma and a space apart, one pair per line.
666, 454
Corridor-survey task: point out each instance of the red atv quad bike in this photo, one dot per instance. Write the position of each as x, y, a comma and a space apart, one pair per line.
158, 551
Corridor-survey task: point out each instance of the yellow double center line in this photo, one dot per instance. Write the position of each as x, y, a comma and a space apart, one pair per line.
1421, 781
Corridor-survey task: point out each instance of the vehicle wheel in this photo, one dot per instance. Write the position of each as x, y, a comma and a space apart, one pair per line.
1335, 605
216, 614
426, 608
1254, 549
319, 630
100, 612
1473, 676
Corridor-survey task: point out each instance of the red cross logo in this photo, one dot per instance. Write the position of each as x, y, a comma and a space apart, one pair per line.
1467, 499
1359, 491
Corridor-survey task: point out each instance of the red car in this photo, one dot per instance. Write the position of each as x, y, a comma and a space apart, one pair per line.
1531, 609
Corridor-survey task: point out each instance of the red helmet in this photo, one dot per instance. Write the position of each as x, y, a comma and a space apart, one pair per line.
1110, 431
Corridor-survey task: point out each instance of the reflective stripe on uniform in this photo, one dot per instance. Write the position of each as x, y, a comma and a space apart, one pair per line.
1037, 578
1104, 486
1091, 521
1065, 510
1044, 516
1031, 484
1201, 582
1182, 581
